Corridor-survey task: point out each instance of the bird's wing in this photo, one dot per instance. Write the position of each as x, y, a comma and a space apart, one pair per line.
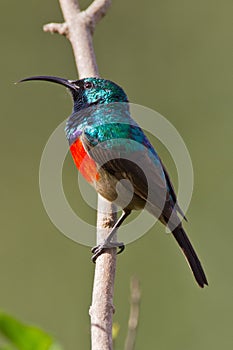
126, 158
172, 191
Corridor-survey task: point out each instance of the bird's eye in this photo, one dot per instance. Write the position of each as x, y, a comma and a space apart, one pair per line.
88, 85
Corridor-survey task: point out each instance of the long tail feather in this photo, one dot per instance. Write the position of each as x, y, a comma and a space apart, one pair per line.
191, 256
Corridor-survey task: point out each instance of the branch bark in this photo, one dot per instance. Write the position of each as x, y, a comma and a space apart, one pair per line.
78, 28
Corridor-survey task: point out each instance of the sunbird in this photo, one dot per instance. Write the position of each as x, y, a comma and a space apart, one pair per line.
108, 147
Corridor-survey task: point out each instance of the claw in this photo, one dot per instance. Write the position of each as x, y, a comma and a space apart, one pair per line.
101, 248
97, 252
121, 248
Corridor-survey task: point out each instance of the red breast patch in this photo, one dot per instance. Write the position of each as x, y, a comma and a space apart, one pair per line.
83, 162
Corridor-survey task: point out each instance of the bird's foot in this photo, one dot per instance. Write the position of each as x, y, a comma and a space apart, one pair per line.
101, 248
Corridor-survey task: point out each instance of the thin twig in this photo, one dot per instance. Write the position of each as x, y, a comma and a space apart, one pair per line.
78, 28
96, 11
59, 28
134, 314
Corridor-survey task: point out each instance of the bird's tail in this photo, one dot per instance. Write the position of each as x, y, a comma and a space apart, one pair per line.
191, 256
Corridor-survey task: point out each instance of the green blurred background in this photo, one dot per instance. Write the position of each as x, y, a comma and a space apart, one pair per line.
174, 57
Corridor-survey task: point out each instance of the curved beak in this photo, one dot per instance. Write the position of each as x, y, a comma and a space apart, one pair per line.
68, 83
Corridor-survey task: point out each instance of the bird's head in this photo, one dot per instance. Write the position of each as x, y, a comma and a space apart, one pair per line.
88, 91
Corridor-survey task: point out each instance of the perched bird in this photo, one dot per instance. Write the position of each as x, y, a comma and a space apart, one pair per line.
109, 147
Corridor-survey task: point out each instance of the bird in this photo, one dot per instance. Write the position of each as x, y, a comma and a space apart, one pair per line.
109, 148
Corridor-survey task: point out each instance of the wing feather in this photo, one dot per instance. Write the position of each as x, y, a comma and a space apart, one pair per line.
125, 158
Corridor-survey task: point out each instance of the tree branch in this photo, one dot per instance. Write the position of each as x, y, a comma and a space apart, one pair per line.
96, 11
78, 28
102, 308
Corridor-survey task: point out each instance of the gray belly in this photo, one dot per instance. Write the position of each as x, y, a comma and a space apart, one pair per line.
120, 192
